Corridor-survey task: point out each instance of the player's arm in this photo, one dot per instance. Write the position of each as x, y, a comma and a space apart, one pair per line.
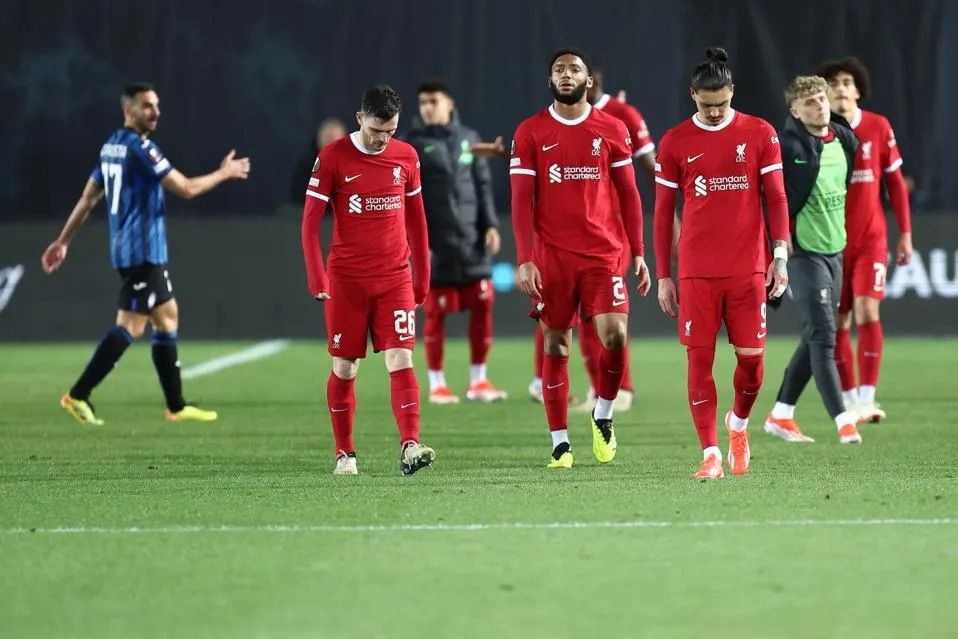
898, 194
231, 168
623, 179
417, 234
666, 186
522, 179
494, 149
773, 184
56, 253
487, 218
318, 192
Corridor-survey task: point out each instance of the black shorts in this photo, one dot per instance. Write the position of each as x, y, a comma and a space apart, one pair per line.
144, 287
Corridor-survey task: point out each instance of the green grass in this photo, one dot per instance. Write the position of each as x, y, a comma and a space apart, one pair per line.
267, 463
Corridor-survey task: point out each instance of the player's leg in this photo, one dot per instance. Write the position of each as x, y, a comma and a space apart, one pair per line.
341, 400
612, 332
590, 349
129, 326
538, 354
479, 298
555, 392
844, 356
439, 302
624, 399
870, 346
700, 311
393, 325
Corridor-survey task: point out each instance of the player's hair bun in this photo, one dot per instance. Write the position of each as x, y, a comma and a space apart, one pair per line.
716, 54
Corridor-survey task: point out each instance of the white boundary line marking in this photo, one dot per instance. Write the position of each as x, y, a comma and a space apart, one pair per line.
251, 354
582, 525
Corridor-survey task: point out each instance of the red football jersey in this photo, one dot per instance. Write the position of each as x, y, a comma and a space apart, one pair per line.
368, 193
877, 155
642, 141
571, 161
719, 171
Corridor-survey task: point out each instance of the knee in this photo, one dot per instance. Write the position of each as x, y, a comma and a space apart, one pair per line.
135, 329
866, 310
397, 359
345, 368
614, 336
556, 343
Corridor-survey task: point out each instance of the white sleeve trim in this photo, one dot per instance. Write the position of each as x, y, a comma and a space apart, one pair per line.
771, 167
521, 172
648, 148
318, 196
314, 181
664, 182
894, 166
415, 191
163, 165
616, 165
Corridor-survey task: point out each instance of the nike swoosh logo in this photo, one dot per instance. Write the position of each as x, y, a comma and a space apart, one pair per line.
139, 286
744, 392
619, 303
403, 338
693, 158
797, 161
701, 401
551, 146
339, 410
551, 386
408, 405
350, 179
761, 335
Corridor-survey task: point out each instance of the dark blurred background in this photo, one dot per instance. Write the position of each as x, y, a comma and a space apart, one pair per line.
260, 77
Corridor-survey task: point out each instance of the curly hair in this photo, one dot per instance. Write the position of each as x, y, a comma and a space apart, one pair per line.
803, 86
852, 66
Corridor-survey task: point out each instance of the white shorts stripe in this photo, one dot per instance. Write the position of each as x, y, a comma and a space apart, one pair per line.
770, 168
521, 172
318, 196
414, 192
664, 182
894, 166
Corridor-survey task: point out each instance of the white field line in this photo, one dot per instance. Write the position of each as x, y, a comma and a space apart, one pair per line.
251, 354
398, 528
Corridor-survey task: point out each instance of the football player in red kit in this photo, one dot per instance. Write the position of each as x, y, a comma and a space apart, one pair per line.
369, 286
866, 254
722, 161
566, 161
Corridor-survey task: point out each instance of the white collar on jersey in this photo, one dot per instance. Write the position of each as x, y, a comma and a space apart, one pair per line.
355, 136
717, 127
856, 120
562, 120
601, 102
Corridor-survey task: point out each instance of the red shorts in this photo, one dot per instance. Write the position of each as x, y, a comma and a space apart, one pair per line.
863, 275
573, 284
453, 299
705, 302
383, 308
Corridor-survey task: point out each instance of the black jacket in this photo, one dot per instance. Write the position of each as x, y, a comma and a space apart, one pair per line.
802, 156
457, 192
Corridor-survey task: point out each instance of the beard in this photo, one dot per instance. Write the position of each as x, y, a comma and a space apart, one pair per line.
569, 98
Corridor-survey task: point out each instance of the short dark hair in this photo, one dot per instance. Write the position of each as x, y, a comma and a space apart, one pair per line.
381, 101
434, 85
586, 60
130, 91
713, 74
852, 66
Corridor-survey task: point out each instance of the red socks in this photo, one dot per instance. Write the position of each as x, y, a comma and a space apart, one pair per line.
404, 394
555, 391
702, 394
341, 397
480, 329
870, 342
612, 365
539, 352
433, 336
747, 381
591, 348
844, 359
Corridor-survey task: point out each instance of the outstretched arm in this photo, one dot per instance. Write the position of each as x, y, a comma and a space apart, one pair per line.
231, 168
417, 235
56, 253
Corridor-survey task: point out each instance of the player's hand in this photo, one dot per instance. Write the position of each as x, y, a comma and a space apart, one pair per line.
530, 280
904, 250
642, 272
776, 278
493, 241
53, 257
235, 168
420, 291
490, 149
322, 296
668, 297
